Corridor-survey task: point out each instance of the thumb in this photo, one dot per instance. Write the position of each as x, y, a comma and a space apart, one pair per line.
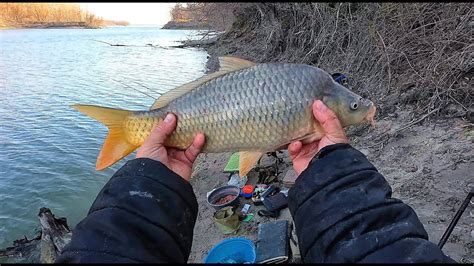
163, 130
294, 149
328, 119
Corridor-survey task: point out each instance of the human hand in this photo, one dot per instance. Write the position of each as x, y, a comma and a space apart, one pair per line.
179, 161
301, 154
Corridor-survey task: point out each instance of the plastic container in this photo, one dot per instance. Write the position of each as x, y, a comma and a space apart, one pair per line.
232, 250
214, 195
247, 191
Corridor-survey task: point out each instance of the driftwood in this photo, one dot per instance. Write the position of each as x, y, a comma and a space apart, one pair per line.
111, 44
21, 247
55, 234
207, 39
197, 43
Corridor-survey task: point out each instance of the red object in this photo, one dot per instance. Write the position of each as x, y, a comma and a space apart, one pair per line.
248, 189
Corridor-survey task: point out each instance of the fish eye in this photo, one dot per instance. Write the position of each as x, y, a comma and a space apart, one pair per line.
354, 105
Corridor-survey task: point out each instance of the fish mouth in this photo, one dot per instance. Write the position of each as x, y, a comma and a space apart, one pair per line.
371, 115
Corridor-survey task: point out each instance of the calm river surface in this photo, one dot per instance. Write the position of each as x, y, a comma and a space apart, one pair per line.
48, 149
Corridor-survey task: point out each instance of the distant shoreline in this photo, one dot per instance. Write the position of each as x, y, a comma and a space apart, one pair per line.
49, 25
170, 25
57, 25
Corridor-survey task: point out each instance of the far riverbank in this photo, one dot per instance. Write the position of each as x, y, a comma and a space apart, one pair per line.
49, 25
61, 25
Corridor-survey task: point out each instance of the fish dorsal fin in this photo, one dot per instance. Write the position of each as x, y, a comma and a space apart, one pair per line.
247, 160
227, 64
230, 64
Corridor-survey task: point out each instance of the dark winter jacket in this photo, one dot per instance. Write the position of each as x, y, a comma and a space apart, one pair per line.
343, 212
341, 206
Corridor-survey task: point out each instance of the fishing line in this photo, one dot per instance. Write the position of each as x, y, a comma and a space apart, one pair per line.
158, 92
134, 89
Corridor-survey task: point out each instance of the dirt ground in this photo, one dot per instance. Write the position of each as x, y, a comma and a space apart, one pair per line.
429, 166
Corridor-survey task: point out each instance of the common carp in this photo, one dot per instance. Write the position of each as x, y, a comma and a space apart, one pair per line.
244, 106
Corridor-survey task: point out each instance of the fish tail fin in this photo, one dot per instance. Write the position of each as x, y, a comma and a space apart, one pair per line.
115, 145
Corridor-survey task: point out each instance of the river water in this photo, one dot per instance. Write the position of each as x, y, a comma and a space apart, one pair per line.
48, 149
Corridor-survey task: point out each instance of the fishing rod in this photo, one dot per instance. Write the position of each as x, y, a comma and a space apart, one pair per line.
455, 219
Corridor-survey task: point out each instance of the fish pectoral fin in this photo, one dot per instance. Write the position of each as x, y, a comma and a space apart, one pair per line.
247, 160
227, 64
115, 145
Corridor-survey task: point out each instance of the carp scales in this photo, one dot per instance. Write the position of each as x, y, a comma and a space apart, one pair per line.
243, 107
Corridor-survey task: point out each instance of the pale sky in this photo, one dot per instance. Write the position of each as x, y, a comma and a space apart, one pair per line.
135, 13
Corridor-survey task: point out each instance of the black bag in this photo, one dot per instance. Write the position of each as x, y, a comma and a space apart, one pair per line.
275, 202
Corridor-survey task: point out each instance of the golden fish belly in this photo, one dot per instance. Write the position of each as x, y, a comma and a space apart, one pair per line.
257, 130
257, 109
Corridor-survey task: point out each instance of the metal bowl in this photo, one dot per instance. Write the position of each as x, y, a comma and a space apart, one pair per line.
214, 195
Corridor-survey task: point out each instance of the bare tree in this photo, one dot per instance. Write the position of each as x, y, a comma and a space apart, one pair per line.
214, 15
40, 12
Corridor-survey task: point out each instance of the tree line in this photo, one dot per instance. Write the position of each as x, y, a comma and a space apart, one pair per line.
34, 13
214, 15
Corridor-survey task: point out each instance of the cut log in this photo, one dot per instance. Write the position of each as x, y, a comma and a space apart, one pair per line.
55, 234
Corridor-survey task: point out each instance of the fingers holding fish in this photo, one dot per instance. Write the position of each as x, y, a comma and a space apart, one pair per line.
294, 148
195, 148
329, 122
154, 143
163, 130
301, 154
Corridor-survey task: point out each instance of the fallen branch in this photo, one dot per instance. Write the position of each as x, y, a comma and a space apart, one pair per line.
417, 121
197, 43
400, 129
378, 143
132, 45
111, 44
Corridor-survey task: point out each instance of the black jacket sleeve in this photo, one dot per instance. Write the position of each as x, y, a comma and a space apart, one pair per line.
343, 212
145, 213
